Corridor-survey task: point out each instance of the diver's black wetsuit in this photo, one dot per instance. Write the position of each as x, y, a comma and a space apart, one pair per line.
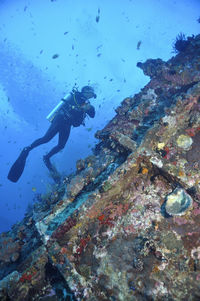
72, 113
58, 126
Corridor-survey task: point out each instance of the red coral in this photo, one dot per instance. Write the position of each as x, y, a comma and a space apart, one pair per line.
101, 217
190, 132
108, 221
105, 221
167, 150
64, 228
83, 244
26, 277
113, 211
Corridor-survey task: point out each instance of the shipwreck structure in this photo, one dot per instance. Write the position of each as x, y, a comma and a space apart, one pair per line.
126, 226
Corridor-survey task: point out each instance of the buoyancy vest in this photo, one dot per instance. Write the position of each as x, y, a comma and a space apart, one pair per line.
72, 111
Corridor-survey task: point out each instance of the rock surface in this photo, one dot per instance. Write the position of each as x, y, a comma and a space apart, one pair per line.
104, 232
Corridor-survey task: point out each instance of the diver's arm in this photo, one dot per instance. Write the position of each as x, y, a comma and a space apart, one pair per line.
89, 109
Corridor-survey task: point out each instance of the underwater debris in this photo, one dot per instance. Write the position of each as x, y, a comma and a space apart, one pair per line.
178, 202
180, 43
184, 141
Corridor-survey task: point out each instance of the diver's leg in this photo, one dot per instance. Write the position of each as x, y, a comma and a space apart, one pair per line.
51, 132
19, 165
62, 140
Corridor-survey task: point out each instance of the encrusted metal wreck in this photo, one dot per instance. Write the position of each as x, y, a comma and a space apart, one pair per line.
126, 226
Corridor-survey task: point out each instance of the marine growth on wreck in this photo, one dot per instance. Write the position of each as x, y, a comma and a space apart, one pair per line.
126, 225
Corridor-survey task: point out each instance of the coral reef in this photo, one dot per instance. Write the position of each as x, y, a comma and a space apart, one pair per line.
180, 43
126, 225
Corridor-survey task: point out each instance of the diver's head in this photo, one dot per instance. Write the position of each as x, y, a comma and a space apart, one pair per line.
88, 92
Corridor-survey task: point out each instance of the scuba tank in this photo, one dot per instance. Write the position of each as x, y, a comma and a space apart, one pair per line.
53, 113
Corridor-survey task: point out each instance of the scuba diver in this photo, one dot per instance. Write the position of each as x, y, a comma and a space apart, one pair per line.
71, 111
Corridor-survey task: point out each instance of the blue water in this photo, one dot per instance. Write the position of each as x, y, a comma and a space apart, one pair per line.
48, 46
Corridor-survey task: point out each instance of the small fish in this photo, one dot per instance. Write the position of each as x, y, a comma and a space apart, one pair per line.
25, 8
98, 47
99, 54
72, 47
41, 51
55, 56
139, 44
66, 32
98, 16
34, 189
89, 129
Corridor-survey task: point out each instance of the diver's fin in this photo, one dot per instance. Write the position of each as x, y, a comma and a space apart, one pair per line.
18, 167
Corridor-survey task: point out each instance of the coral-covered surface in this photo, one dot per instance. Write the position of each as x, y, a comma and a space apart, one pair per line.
126, 226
